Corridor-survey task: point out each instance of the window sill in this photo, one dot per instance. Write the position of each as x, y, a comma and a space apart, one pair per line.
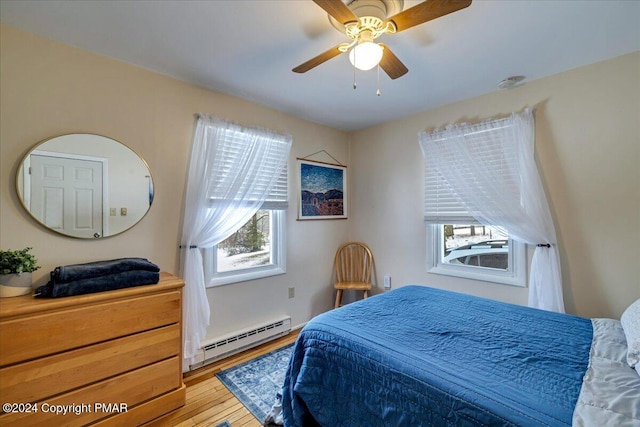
235, 276
484, 275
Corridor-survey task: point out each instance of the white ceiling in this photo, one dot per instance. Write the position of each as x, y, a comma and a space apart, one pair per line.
248, 48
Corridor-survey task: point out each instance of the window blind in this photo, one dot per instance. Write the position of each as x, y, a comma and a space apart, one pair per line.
237, 146
482, 150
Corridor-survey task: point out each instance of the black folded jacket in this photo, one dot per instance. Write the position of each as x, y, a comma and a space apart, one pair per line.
71, 273
108, 282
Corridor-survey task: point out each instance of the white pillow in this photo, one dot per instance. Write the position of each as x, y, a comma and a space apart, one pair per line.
630, 321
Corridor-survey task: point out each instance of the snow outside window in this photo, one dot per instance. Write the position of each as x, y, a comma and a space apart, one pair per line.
256, 250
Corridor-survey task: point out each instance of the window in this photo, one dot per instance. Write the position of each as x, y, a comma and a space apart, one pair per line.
245, 207
479, 252
472, 197
256, 250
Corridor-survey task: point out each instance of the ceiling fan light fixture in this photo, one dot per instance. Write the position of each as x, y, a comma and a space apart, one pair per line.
363, 21
366, 55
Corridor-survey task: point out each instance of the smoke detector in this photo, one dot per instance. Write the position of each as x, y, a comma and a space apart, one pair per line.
511, 82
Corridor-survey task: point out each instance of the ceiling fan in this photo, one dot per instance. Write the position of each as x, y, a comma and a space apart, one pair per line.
363, 21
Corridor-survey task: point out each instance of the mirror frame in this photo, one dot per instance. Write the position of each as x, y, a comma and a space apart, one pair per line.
39, 147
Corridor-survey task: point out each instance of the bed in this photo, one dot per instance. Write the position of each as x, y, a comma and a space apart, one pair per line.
419, 356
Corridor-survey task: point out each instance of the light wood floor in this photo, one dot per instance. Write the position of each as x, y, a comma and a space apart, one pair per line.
209, 402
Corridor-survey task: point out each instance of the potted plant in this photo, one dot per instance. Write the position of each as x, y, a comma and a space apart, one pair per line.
15, 272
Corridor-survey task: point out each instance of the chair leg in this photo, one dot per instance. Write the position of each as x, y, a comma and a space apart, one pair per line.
366, 293
338, 298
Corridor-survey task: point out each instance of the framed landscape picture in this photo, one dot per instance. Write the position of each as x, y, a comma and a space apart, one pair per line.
323, 190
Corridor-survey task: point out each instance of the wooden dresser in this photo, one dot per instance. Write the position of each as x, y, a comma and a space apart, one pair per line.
111, 358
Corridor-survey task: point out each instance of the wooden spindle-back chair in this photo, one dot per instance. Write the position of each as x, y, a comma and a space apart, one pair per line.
353, 265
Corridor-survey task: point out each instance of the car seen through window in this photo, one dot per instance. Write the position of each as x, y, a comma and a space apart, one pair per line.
488, 254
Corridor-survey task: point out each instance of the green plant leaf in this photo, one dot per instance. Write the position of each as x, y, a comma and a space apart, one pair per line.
18, 261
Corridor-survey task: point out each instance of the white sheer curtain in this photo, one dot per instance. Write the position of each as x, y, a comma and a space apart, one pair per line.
232, 170
490, 172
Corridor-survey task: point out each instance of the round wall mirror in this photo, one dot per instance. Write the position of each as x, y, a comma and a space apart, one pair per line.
85, 186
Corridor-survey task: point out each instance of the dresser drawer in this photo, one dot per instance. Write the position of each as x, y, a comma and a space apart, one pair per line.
53, 332
46, 377
125, 391
147, 411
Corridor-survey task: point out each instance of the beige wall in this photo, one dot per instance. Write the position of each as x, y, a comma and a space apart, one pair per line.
49, 89
588, 154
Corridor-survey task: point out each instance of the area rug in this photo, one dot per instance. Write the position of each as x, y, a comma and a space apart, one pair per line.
224, 424
255, 383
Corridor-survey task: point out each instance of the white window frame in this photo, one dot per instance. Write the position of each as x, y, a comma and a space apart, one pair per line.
278, 265
514, 275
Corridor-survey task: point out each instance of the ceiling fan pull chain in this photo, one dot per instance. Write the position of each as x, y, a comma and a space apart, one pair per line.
378, 91
354, 78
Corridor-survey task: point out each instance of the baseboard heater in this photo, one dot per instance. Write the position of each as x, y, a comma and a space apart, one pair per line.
219, 348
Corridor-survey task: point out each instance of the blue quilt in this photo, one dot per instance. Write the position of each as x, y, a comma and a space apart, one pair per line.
418, 356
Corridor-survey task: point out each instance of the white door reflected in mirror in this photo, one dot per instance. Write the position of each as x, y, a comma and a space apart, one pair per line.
85, 185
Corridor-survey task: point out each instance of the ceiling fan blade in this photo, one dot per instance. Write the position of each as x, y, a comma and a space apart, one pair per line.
391, 64
426, 11
314, 62
338, 10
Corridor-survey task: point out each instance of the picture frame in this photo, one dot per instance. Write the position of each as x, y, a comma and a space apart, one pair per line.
322, 192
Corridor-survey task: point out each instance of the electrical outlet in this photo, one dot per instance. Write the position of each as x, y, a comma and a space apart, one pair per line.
292, 292
387, 282
123, 211
112, 212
